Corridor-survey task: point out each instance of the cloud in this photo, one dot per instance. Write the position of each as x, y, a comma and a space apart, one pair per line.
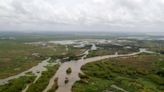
82, 12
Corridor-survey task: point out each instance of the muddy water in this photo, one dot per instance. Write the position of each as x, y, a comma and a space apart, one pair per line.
61, 72
76, 69
36, 70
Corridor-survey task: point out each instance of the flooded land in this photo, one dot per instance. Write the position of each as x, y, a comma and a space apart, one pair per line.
66, 65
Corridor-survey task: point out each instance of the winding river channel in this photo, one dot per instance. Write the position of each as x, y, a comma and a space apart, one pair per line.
61, 74
76, 69
36, 70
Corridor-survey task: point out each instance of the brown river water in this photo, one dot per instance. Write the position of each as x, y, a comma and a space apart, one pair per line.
61, 72
76, 69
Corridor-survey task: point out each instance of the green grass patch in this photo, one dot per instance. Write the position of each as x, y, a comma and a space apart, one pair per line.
43, 81
138, 73
17, 85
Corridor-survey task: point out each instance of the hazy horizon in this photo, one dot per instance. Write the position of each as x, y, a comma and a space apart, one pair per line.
82, 15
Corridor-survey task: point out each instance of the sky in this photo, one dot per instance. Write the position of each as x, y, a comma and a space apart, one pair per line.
87, 15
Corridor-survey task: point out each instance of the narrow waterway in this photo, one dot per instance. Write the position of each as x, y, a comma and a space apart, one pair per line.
61, 72
76, 69
36, 70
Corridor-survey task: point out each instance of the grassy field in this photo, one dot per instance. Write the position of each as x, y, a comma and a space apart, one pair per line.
43, 81
153, 45
16, 56
110, 49
141, 73
17, 85
71, 54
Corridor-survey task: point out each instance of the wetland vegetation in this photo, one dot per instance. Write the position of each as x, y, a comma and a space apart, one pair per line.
17, 85
140, 73
43, 81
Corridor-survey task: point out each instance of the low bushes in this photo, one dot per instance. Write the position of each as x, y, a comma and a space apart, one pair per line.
43, 81
17, 85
